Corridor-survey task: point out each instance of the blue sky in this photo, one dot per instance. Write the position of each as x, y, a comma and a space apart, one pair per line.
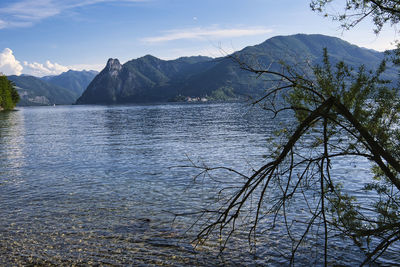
46, 37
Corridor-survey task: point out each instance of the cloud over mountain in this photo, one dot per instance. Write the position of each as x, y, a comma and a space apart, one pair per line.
48, 68
9, 65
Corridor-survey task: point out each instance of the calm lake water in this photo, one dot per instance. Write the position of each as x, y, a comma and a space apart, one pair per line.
99, 184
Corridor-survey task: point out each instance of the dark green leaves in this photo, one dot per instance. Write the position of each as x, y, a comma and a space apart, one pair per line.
8, 94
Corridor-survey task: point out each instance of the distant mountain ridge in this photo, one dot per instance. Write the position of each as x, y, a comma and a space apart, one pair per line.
149, 79
76, 81
58, 89
33, 91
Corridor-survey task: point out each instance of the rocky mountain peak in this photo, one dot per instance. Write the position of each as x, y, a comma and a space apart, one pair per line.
113, 66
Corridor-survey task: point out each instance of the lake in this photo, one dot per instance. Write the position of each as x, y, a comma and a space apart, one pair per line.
101, 184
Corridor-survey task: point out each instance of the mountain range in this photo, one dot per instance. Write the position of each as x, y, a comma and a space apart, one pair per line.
149, 79
58, 89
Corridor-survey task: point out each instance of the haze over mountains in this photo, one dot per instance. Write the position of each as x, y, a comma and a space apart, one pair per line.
60, 89
150, 79
76, 81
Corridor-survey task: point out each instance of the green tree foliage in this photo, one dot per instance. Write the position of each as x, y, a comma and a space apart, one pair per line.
223, 93
9, 96
342, 115
381, 12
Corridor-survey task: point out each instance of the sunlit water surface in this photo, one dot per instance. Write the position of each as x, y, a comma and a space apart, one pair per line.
100, 184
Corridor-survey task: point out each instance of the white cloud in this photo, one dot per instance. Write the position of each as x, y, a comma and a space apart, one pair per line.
206, 33
3, 24
8, 63
39, 70
24, 13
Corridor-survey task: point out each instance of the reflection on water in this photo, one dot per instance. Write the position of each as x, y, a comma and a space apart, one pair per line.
94, 184
12, 143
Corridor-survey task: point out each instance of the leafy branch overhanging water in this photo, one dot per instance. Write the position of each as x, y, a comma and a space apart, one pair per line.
346, 113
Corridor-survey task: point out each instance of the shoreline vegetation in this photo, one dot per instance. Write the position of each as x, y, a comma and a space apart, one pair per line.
222, 94
9, 96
